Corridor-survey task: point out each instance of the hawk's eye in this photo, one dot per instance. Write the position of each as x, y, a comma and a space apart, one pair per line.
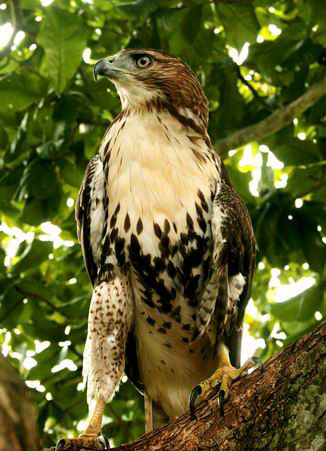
143, 61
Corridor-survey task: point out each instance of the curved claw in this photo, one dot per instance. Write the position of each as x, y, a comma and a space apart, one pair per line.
258, 363
83, 442
105, 442
192, 399
60, 446
221, 398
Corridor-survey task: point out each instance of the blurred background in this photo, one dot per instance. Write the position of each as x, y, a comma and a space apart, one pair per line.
252, 58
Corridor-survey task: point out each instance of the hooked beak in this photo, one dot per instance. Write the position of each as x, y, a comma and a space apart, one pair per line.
104, 68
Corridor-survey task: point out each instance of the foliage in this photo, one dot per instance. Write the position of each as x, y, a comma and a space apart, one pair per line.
52, 118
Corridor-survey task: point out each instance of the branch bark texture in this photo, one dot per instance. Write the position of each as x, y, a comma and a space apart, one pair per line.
281, 409
276, 121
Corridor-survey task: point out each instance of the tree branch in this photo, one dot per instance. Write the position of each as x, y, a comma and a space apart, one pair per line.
276, 121
42, 299
283, 408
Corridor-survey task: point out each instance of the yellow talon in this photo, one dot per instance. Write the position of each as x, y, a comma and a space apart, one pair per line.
223, 376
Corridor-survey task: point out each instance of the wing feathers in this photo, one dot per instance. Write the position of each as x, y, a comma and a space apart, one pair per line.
90, 214
228, 289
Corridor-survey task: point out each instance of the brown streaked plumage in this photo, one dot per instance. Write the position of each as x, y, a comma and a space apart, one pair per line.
167, 243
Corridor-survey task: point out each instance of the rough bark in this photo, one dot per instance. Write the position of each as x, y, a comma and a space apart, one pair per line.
281, 409
18, 430
276, 121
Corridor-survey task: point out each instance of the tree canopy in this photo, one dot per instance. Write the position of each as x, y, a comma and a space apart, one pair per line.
262, 66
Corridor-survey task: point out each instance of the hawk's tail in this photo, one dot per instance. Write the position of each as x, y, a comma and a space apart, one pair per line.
154, 414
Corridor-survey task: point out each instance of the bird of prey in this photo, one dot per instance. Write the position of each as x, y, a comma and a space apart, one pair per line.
168, 246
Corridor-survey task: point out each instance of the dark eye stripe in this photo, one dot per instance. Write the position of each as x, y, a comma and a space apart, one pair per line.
137, 56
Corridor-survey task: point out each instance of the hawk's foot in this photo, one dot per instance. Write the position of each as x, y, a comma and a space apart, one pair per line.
83, 442
223, 376
91, 438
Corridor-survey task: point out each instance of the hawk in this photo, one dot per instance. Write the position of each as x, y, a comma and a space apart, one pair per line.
168, 246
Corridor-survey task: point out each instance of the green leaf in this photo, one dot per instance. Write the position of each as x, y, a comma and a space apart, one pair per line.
68, 108
305, 54
38, 180
317, 112
50, 150
267, 55
35, 254
322, 307
231, 111
8, 186
71, 174
63, 39
241, 181
193, 23
19, 91
34, 286
3, 137
33, 212
17, 146
45, 329
297, 152
240, 23
302, 180
11, 306
309, 303
301, 307
312, 247
142, 8
267, 222
295, 329
314, 250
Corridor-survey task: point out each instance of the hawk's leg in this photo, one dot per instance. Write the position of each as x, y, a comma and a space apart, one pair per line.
223, 376
104, 362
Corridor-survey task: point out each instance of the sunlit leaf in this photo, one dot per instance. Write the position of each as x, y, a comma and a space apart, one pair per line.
243, 15
35, 253
63, 38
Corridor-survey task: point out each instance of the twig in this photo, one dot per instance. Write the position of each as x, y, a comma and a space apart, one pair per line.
319, 184
276, 121
40, 298
252, 89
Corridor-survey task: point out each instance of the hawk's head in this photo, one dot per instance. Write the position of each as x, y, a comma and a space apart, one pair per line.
148, 77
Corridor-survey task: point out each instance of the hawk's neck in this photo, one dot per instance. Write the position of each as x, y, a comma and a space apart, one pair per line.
157, 124
155, 160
